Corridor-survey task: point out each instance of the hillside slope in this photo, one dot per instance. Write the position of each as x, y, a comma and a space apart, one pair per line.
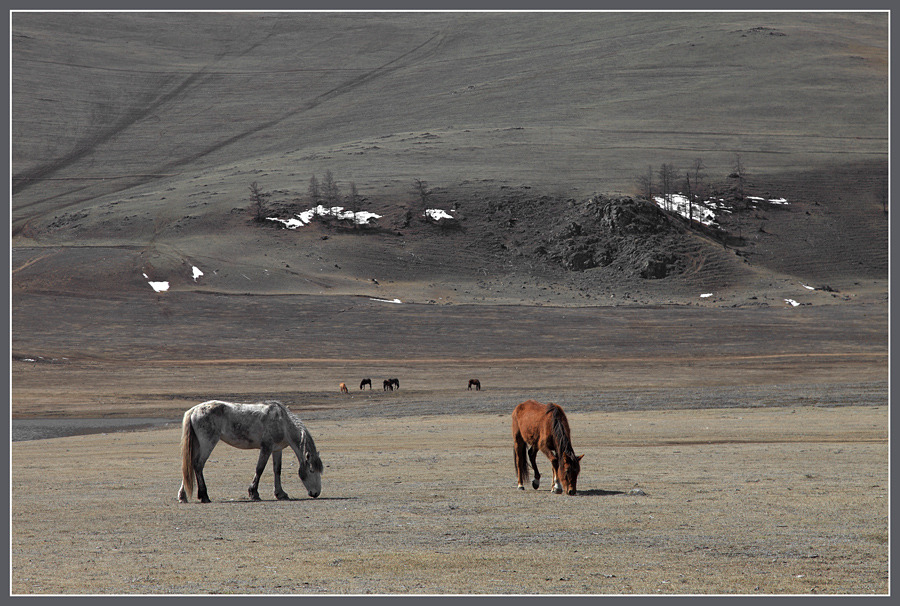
136, 138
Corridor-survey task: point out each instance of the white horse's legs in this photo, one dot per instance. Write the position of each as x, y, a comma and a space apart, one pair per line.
280, 494
264, 453
201, 454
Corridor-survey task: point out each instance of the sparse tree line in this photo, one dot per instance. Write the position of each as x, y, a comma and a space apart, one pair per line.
327, 193
693, 183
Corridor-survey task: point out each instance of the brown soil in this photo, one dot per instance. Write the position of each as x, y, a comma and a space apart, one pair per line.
754, 431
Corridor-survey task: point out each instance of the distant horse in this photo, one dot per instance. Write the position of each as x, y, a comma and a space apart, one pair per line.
395, 383
388, 385
344, 388
475, 383
365, 382
268, 426
544, 427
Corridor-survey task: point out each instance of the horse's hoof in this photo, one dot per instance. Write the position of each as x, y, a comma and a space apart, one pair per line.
205, 501
283, 497
254, 496
521, 487
535, 484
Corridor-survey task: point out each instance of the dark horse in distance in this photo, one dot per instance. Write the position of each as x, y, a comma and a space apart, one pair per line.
544, 427
475, 383
365, 382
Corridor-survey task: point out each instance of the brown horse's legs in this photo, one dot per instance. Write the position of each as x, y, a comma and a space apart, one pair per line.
556, 487
264, 454
521, 462
532, 456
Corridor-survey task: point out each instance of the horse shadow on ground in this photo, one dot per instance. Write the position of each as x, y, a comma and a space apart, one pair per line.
597, 492
245, 501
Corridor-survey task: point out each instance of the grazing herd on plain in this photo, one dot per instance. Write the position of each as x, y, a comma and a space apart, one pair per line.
392, 384
270, 427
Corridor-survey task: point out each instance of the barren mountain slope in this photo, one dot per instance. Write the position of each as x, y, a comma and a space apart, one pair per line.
141, 134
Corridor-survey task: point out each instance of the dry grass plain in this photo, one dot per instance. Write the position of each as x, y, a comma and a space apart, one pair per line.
763, 463
735, 501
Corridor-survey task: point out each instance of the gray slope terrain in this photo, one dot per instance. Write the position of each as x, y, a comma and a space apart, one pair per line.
136, 137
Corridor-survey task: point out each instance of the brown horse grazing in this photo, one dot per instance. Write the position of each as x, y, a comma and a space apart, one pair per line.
388, 385
365, 382
544, 427
395, 383
475, 383
344, 388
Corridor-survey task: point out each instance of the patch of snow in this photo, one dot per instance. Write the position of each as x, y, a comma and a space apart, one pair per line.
289, 223
437, 214
706, 295
159, 286
791, 302
807, 287
361, 217
770, 200
704, 212
386, 300
197, 273
306, 216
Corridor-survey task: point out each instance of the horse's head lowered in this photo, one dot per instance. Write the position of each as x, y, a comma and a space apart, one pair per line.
569, 467
311, 472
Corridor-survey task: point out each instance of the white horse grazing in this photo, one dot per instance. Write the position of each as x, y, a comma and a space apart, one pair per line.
268, 426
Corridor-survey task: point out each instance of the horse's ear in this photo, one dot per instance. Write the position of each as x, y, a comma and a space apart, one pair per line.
580, 457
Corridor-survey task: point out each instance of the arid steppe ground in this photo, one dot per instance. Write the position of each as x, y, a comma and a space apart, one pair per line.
763, 462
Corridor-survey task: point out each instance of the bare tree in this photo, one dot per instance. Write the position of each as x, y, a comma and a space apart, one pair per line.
739, 172
258, 202
330, 190
423, 191
353, 200
690, 197
698, 178
667, 179
315, 193
645, 182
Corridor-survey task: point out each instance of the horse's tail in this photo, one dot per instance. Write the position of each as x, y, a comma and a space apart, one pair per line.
188, 439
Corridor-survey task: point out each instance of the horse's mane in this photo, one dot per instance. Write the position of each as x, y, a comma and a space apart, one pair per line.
306, 439
563, 443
